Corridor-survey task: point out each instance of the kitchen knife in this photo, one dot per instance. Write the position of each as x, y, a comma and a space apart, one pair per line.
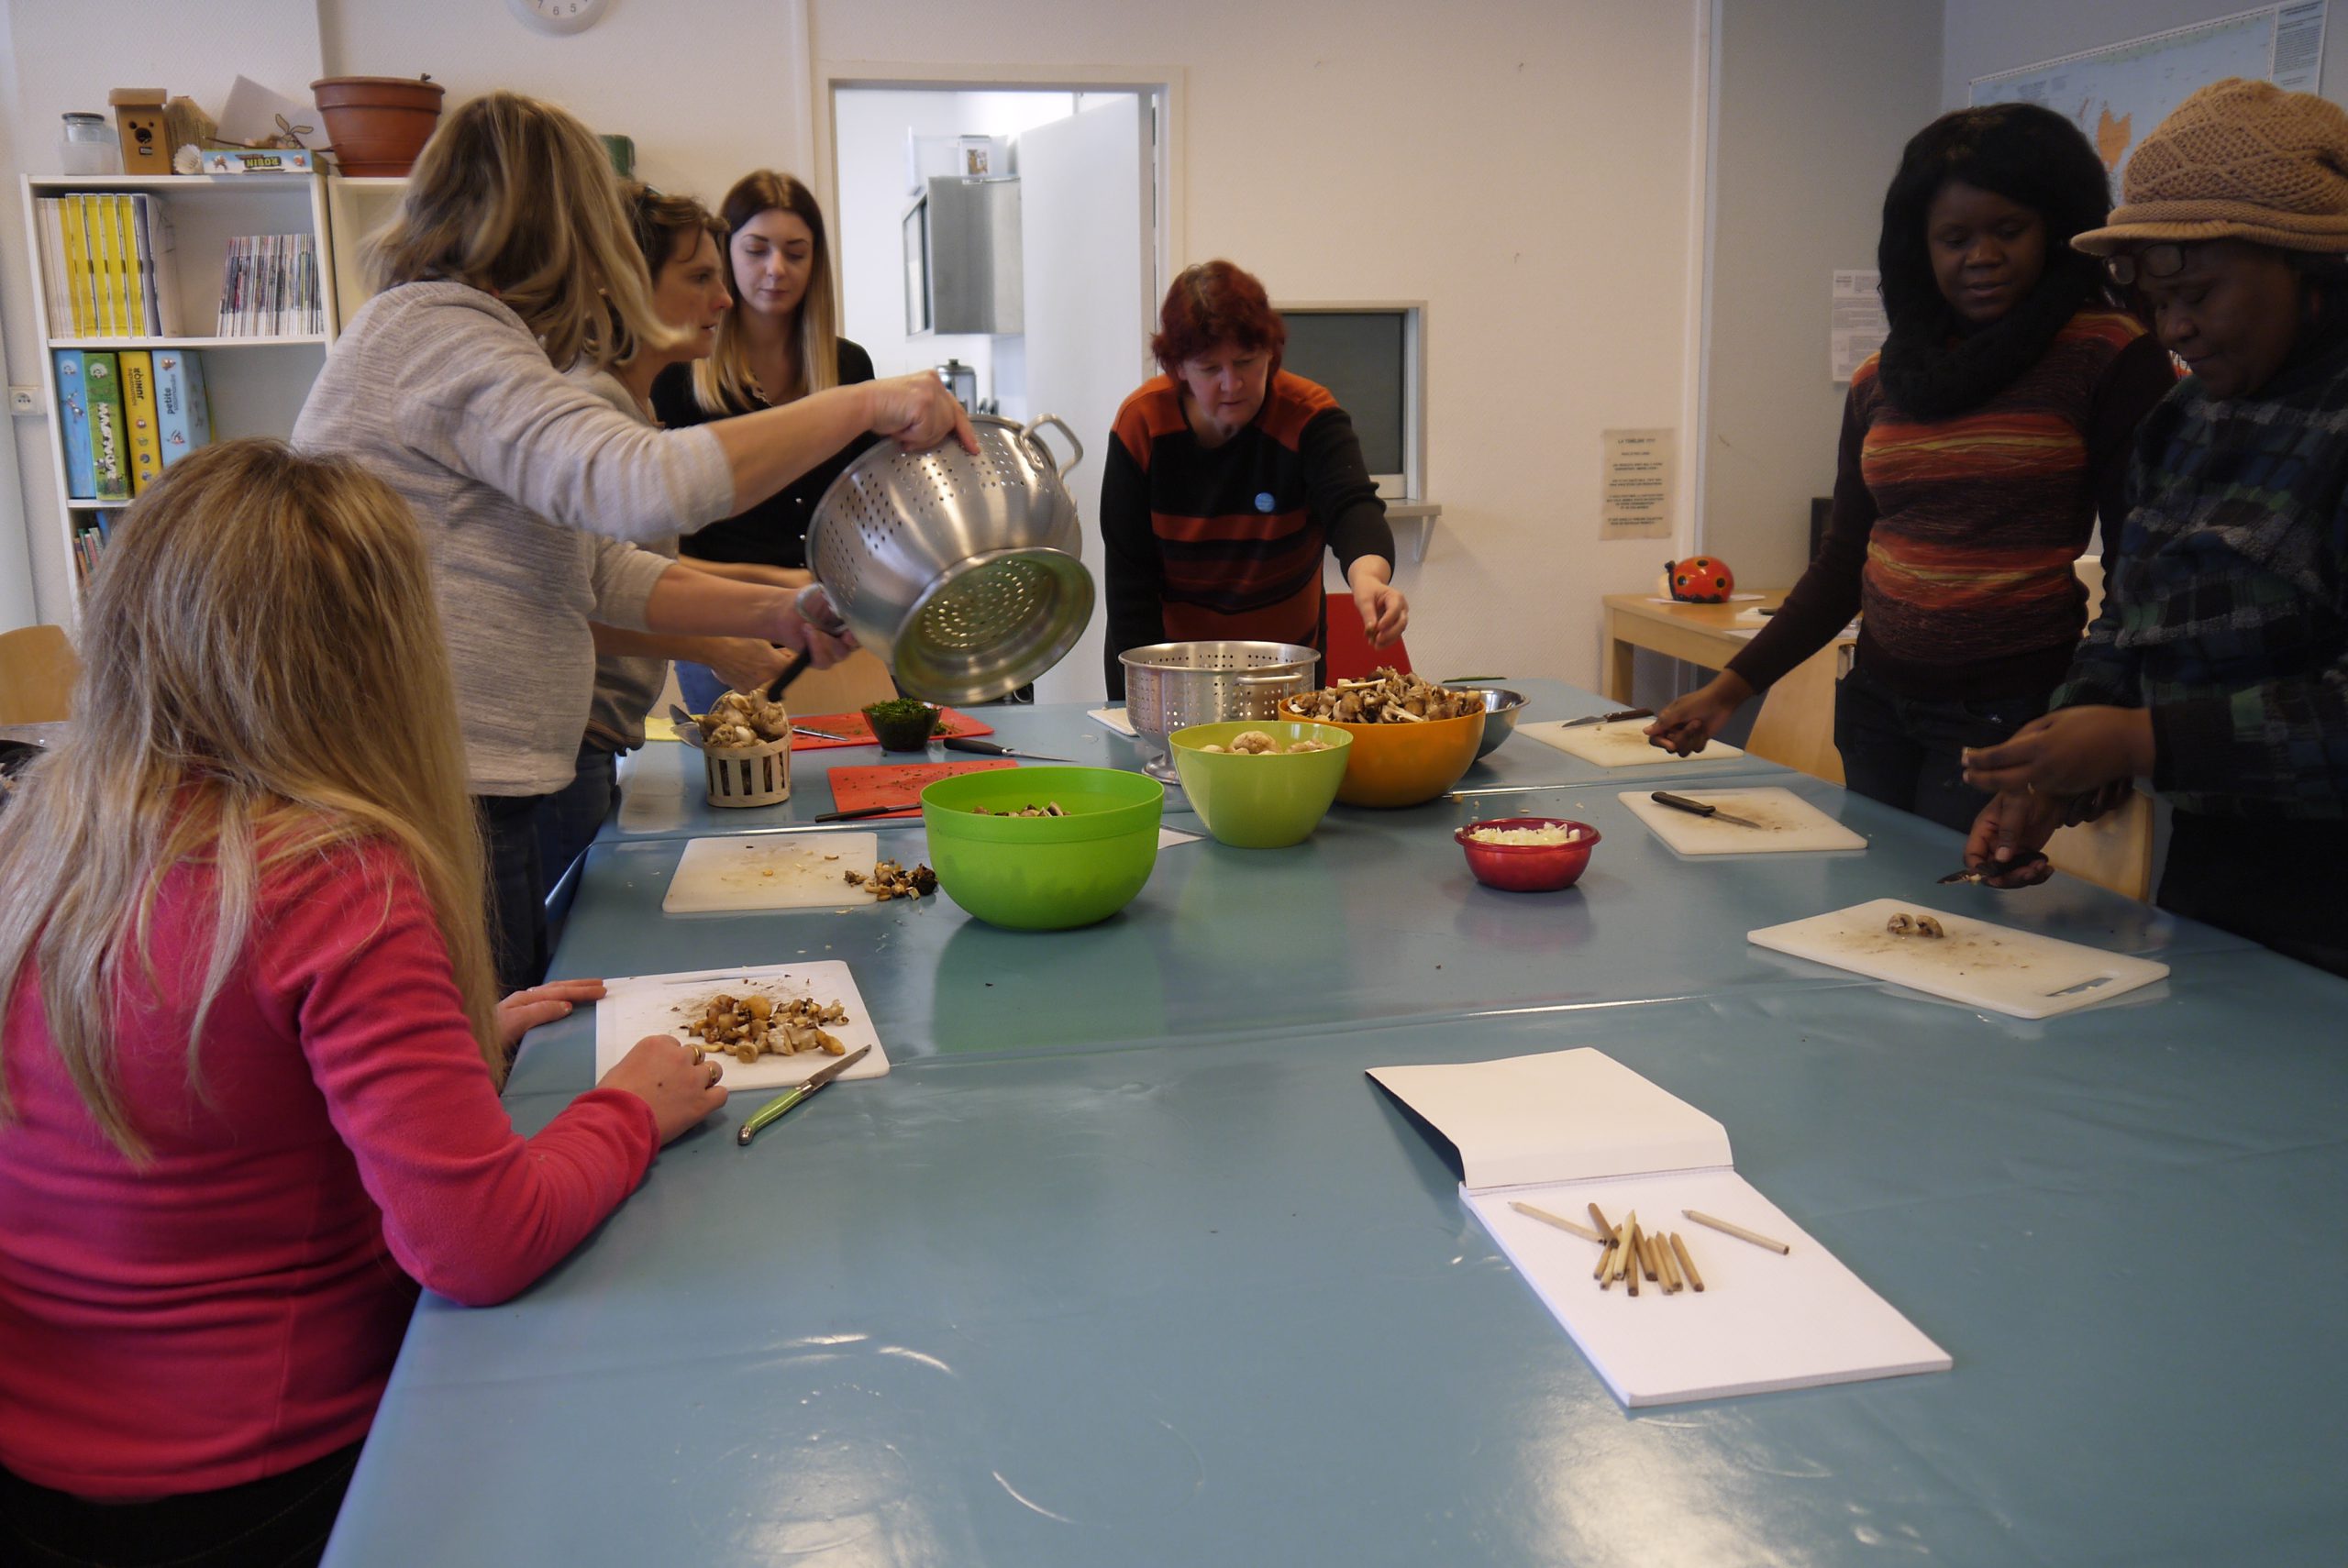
989, 749
1698, 808
862, 811
818, 735
1609, 718
774, 1107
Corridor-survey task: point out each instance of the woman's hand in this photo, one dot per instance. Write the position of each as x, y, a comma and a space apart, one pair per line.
525, 1011
2012, 828
1687, 725
919, 412
680, 1082
748, 664
2068, 752
1384, 611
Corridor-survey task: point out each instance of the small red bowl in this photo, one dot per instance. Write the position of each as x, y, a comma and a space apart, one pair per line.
1528, 868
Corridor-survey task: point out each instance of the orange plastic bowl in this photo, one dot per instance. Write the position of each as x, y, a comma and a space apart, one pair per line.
1402, 765
1528, 868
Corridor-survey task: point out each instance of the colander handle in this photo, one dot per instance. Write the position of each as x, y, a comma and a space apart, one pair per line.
1027, 433
1263, 680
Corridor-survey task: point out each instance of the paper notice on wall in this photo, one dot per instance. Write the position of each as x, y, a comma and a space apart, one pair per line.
1635, 496
1858, 326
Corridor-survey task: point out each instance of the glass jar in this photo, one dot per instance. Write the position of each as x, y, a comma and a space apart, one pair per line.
87, 145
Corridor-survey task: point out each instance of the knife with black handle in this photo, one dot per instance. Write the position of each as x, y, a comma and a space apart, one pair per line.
1699, 808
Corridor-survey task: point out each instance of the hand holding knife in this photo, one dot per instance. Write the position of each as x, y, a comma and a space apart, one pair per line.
772, 1110
1699, 808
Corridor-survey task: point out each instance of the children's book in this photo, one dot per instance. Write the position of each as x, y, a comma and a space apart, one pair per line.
81, 272
73, 422
127, 260
183, 418
109, 443
1562, 1131
159, 274
141, 419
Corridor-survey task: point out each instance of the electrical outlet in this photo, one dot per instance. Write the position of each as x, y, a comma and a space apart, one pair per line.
24, 400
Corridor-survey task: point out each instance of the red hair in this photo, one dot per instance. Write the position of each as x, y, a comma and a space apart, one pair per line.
1211, 304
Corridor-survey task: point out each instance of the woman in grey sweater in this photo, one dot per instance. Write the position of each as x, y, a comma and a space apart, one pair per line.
510, 261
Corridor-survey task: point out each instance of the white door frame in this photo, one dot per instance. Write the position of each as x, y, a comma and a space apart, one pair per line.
1163, 83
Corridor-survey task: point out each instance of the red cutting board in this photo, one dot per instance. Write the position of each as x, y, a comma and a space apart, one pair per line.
900, 785
859, 733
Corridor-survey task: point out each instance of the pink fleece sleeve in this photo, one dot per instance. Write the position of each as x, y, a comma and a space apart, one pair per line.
470, 1208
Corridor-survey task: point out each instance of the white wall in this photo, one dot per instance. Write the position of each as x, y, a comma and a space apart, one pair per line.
1526, 167
1813, 101
1981, 37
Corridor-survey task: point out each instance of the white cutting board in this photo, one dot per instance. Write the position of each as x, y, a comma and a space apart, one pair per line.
1622, 743
661, 1004
1978, 964
1788, 823
771, 871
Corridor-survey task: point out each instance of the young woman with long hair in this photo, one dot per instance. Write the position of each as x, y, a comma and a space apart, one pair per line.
250, 1046
1978, 449
509, 261
778, 342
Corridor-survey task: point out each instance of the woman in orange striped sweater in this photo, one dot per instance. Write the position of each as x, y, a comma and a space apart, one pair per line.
1978, 449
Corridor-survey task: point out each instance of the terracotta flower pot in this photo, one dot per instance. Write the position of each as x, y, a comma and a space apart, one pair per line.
377, 124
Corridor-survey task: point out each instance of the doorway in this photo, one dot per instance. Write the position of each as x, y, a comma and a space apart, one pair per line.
1071, 302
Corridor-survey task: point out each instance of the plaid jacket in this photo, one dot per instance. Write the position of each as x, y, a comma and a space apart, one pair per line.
2226, 610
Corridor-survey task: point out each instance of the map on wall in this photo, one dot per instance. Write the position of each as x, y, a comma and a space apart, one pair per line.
2119, 93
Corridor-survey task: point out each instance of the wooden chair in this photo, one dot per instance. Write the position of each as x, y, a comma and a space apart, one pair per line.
849, 685
37, 674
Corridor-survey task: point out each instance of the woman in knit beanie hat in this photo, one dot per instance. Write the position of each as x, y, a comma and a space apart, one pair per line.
2218, 668
1977, 450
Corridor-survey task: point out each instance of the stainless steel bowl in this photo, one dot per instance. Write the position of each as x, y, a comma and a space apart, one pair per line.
1501, 709
961, 571
1171, 686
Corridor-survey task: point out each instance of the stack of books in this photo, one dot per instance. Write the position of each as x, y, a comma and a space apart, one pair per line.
106, 259
270, 287
90, 542
126, 418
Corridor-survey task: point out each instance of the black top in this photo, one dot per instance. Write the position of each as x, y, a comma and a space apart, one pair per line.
774, 532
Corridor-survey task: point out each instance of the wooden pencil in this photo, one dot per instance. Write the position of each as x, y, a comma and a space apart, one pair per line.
1622, 1234
1646, 1257
1688, 1263
1631, 1251
1739, 1231
1604, 1271
1672, 1283
1597, 1218
1584, 1231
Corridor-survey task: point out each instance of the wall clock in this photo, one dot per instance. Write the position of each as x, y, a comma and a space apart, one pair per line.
560, 16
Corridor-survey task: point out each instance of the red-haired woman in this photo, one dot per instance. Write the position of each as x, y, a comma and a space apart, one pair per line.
1227, 479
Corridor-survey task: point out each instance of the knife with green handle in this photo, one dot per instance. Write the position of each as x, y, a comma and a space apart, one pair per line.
773, 1109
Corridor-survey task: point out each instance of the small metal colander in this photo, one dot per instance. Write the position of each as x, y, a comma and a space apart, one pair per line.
963, 571
1171, 686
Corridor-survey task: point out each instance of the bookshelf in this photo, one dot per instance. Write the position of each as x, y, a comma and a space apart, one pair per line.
357, 205
254, 386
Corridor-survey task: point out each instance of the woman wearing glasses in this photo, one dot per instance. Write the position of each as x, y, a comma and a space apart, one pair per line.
2218, 668
1978, 449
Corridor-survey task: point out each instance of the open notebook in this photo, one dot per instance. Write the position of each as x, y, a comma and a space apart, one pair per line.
1565, 1128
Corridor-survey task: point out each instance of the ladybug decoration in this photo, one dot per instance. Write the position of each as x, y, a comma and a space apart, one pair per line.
1699, 579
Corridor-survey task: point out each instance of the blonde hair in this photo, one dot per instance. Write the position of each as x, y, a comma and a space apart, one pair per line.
660, 226
263, 680
513, 197
722, 382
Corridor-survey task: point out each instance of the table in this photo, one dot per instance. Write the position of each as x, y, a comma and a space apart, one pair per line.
1138, 1267
1698, 633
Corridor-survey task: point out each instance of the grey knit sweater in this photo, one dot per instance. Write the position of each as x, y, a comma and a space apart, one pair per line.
514, 469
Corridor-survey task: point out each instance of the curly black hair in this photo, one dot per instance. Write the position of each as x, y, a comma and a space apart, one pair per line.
2027, 154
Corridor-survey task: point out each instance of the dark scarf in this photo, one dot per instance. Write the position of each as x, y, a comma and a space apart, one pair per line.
1928, 376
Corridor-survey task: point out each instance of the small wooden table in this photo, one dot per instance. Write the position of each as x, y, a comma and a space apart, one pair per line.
1700, 633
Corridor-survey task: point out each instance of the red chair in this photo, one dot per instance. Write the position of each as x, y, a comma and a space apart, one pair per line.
1350, 657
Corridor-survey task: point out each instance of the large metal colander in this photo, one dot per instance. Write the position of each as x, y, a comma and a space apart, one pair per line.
960, 571
1171, 686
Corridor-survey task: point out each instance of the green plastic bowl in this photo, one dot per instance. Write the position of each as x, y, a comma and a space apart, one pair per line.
1267, 802
1043, 873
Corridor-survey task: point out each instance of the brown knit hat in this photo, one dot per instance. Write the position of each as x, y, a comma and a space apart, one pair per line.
2238, 159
